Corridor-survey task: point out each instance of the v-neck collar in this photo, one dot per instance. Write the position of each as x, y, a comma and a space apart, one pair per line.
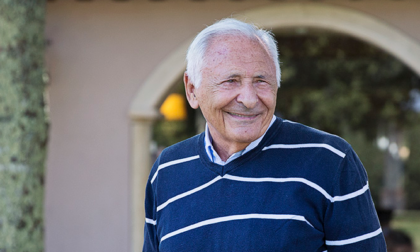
223, 169
213, 155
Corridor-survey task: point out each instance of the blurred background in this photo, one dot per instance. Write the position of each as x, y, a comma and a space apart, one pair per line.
115, 98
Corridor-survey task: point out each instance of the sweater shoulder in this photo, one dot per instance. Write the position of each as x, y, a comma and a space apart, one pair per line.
183, 149
297, 133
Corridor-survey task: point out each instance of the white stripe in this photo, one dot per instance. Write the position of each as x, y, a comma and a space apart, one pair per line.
290, 122
150, 221
278, 180
308, 145
236, 217
355, 239
352, 195
173, 162
182, 195
301, 180
281, 180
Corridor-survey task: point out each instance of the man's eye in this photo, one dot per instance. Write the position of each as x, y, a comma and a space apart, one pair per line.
230, 81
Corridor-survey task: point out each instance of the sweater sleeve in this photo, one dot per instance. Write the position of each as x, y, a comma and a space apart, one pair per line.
151, 243
351, 222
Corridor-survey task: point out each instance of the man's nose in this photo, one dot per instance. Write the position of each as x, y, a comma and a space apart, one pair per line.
247, 95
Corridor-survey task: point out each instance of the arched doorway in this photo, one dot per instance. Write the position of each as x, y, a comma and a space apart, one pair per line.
144, 109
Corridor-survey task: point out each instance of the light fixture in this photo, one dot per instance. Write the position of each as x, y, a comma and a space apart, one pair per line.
173, 108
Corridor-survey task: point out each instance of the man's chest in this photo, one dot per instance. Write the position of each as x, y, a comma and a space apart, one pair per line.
234, 214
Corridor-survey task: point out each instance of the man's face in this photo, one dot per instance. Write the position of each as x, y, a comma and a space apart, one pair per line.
237, 95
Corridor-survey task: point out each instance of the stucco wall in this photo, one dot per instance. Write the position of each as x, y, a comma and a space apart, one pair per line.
100, 52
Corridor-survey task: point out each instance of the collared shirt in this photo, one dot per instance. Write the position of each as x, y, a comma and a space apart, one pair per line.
215, 158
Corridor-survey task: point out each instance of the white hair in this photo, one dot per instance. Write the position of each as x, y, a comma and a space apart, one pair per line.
228, 26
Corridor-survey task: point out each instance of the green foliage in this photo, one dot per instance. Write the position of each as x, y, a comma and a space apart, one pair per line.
347, 87
408, 222
334, 82
166, 133
412, 167
23, 125
372, 158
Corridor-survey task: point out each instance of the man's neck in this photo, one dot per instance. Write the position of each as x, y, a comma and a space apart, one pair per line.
225, 149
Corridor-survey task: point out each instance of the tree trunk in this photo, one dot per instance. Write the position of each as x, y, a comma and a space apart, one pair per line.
23, 125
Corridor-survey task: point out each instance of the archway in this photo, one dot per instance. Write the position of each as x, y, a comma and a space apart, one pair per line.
144, 108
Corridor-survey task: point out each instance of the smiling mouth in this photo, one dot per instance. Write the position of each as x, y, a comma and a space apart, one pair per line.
243, 116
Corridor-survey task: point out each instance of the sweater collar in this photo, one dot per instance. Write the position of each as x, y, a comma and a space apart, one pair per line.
215, 158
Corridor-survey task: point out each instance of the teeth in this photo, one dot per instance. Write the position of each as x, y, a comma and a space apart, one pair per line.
241, 115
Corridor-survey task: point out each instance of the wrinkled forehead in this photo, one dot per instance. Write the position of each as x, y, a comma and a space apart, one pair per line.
237, 56
224, 43
235, 49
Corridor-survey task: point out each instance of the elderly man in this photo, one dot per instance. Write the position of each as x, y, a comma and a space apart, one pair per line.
252, 181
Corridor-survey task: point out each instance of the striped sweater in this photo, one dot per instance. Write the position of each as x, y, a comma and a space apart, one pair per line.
300, 189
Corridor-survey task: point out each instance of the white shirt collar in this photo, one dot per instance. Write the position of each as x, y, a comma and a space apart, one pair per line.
215, 158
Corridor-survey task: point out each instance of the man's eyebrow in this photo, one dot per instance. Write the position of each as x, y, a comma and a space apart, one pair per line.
233, 76
260, 76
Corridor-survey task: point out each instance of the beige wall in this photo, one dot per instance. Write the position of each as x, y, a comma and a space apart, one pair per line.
100, 52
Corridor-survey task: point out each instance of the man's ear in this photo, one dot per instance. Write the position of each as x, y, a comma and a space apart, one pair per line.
190, 92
